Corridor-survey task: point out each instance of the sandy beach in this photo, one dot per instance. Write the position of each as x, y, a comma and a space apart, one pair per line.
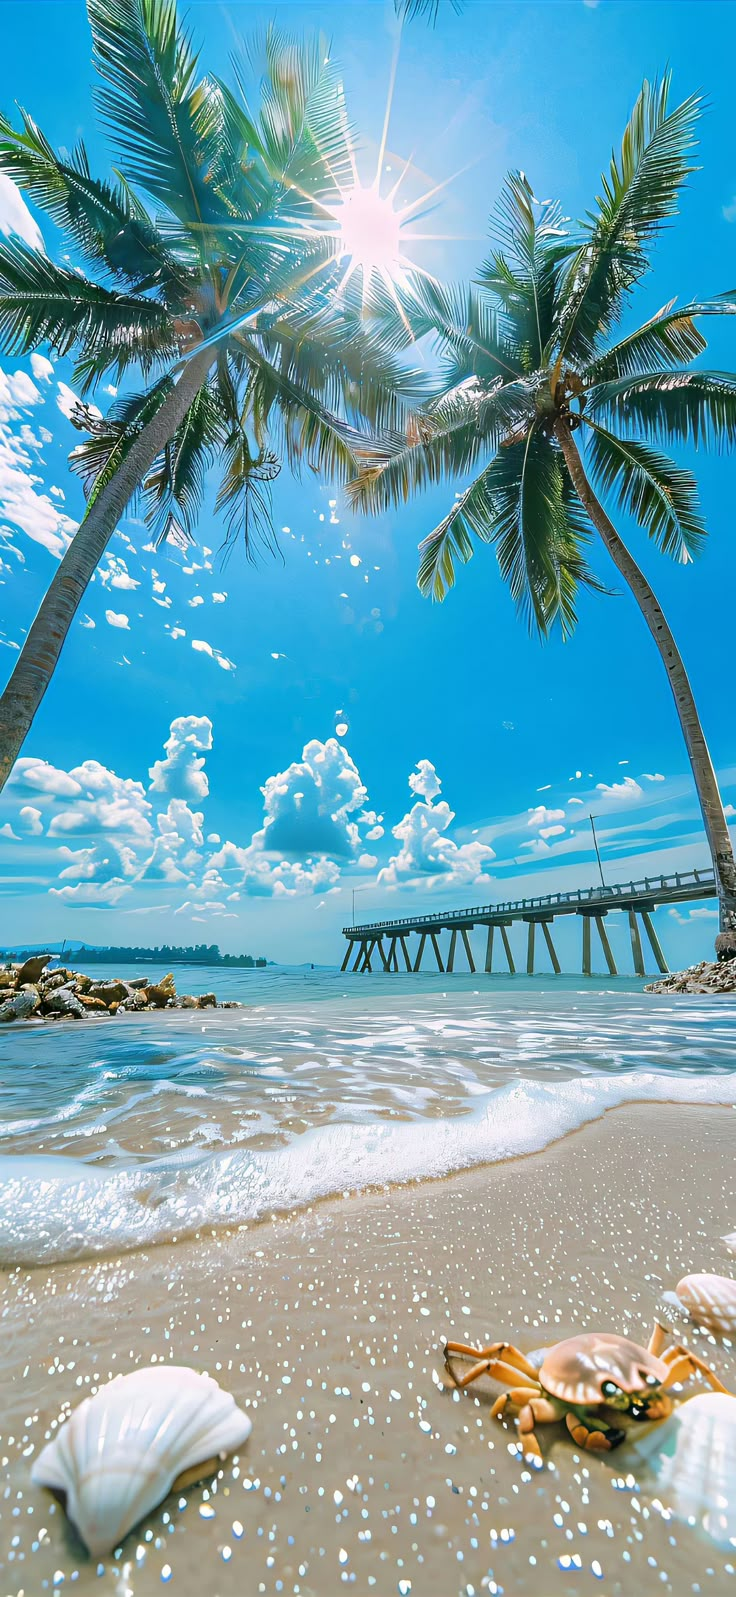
363, 1471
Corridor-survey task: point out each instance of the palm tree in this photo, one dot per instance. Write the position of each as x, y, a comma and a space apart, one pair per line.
534, 366
214, 274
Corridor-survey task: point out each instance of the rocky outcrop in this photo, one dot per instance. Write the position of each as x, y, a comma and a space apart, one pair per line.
30, 991
706, 977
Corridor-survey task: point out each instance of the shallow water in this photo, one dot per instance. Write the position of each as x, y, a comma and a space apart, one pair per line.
141, 1129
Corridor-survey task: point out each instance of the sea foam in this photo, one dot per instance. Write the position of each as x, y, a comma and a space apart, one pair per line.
54, 1207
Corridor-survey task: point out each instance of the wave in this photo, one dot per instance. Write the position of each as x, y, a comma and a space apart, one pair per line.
55, 1208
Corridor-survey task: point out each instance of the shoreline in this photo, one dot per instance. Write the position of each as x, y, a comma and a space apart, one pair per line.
326, 1324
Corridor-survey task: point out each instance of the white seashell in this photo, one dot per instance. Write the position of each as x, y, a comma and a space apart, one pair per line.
121, 1451
692, 1458
710, 1300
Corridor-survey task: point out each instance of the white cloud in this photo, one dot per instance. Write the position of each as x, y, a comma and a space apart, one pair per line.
195, 601
653, 776
15, 216
88, 894
24, 507
626, 791
6, 830
425, 781
428, 856
219, 598
44, 778
201, 647
117, 618
87, 622
551, 831
182, 772
31, 818
367, 862
540, 816
42, 368
66, 399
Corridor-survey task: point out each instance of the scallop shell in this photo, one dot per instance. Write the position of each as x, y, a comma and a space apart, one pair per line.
692, 1458
710, 1300
121, 1451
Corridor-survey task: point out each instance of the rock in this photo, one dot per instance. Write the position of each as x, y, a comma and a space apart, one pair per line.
62, 1001
57, 978
111, 992
21, 1005
157, 997
93, 1005
207, 1001
726, 945
187, 1002
81, 984
138, 981
707, 977
32, 969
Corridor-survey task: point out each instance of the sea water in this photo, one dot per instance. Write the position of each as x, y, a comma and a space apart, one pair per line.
142, 1129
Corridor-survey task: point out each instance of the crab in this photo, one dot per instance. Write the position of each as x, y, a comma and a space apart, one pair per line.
589, 1381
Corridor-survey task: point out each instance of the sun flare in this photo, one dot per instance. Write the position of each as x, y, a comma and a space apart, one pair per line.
368, 230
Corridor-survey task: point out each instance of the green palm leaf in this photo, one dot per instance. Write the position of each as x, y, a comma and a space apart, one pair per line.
42, 303
531, 243
166, 123
662, 496
666, 340
174, 489
677, 406
639, 196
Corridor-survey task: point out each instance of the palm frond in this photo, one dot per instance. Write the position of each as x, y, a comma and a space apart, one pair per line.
41, 302
462, 323
309, 432
666, 340
407, 10
99, 215
110, 437
302, 126
523, 503
164, 121
690, 407
444, 440
245, 495
662, 496
639, 196
530, 244
175, 486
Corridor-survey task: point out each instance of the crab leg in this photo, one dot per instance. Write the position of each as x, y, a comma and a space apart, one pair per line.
682, 1363
505, 1350
658, 1339
538, 1411
496, 1369
600, 1440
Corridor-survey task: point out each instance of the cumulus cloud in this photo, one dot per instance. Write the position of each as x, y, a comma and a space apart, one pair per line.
117, 618
15, 217
428, 856
425, 781
653, 776
42, 368
182, 772
25, 507
31, 818
44, 778
625, 792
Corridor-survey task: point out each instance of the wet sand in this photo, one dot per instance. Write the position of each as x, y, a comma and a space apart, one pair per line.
363, 1472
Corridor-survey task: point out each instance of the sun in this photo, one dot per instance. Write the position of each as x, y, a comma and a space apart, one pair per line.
368, 231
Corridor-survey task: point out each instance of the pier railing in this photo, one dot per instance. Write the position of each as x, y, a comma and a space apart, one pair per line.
638, 897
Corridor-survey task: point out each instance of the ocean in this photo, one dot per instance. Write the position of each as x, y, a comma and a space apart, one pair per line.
143, 1130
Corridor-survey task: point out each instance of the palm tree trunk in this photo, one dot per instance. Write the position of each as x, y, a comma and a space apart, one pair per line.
37, 660
704, 776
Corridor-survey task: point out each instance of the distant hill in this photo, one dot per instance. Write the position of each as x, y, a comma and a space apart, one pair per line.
167, 954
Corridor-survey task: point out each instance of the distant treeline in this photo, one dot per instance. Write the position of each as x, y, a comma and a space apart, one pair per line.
167, 954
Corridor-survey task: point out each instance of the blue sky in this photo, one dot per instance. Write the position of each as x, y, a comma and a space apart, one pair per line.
187, 777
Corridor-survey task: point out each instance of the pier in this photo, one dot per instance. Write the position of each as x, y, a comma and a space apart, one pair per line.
385, 945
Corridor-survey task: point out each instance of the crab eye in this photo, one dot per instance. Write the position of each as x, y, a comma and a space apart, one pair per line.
609, 1389
651, 1380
